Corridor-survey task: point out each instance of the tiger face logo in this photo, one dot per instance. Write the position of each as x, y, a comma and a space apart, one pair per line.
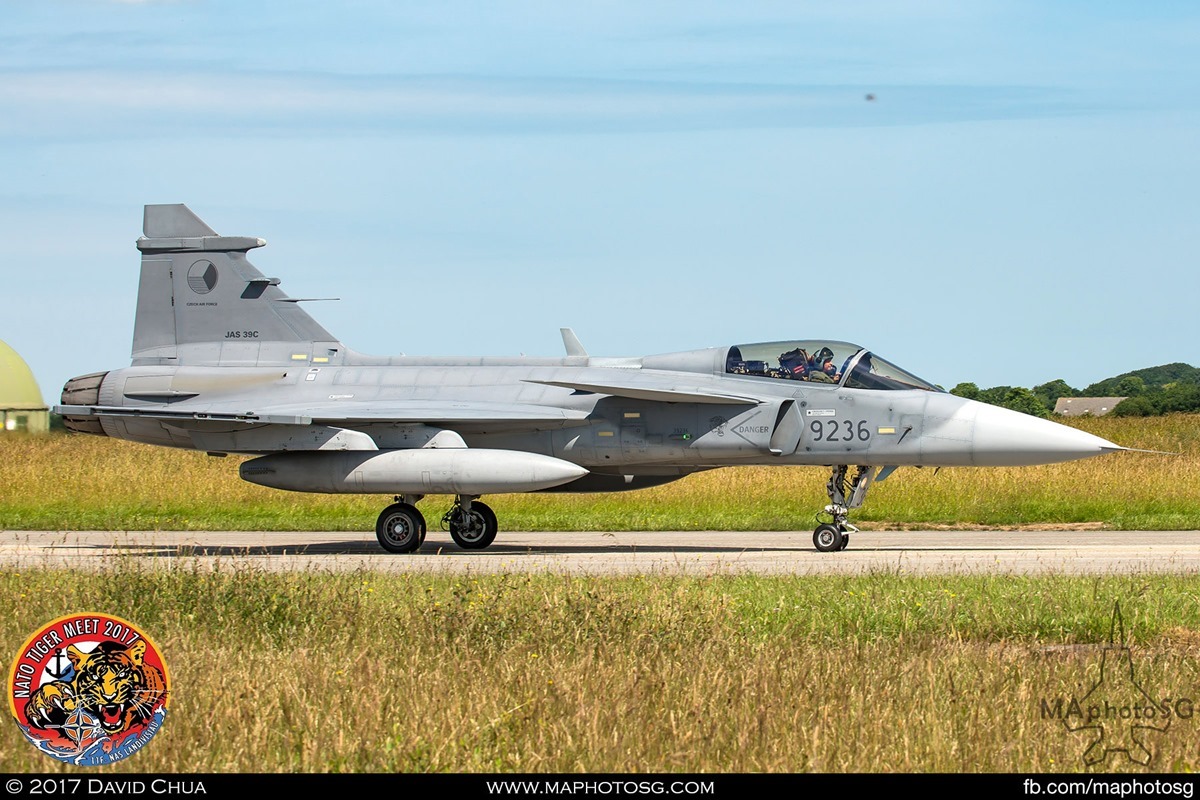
89, 689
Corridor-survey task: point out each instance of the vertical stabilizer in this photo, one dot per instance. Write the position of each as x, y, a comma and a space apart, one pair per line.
166, 221
200, 301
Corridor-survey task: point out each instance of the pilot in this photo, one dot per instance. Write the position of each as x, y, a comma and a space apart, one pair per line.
822, 373
829, 370
811, 366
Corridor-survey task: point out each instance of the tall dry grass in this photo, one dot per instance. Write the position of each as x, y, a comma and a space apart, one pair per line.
313, 672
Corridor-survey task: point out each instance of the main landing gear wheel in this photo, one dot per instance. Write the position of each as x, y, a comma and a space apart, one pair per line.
828, 538
474, 528
400, 528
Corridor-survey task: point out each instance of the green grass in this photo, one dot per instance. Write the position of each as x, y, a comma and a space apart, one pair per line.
76, 482
359, 672
315, 672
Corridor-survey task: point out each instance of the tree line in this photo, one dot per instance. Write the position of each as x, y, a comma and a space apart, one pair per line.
1148, 392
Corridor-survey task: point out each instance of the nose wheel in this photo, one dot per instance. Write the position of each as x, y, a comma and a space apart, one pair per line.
829, 538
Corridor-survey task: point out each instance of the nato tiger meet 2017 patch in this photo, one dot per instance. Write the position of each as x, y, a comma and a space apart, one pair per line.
89, 689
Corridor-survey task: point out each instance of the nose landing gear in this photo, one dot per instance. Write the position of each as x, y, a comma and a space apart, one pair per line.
834, 534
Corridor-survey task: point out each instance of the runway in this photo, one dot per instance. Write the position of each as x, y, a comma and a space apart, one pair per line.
625, 553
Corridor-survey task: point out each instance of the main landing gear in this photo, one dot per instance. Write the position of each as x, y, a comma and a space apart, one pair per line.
472, 524
401, 527
834, 534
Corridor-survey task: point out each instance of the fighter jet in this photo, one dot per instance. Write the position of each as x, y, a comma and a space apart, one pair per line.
225, 362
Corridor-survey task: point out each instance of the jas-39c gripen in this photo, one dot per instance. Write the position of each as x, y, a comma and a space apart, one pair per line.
225, 362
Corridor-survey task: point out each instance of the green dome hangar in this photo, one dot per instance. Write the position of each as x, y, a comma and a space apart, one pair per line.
21, 406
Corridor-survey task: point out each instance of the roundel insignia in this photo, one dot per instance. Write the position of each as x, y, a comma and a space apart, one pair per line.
202, 277
89, 689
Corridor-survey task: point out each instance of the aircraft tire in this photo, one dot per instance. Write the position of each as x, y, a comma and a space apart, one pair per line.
400, 528
479, 535
828, 538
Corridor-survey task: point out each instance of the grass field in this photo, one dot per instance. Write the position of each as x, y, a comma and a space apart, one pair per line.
78, 482
364, 672
314, 672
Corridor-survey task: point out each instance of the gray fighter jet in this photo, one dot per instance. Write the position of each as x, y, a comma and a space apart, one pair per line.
225, 362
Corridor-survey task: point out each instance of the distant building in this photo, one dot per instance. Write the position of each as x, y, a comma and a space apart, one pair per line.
1085, 406
21, 406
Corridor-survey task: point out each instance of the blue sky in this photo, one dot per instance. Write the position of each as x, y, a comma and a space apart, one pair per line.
1017, 203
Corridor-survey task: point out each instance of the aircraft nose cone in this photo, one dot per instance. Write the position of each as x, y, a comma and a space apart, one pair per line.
1004, 438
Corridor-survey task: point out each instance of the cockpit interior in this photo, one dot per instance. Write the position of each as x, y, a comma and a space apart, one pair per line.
821, 362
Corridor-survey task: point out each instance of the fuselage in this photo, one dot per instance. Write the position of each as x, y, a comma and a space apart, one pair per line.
629, 429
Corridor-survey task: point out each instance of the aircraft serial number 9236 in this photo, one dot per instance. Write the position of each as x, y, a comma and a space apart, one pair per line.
225, 362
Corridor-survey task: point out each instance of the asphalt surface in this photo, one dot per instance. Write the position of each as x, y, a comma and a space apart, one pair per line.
691, 552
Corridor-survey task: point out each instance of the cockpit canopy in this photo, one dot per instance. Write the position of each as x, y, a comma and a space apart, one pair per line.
821, 362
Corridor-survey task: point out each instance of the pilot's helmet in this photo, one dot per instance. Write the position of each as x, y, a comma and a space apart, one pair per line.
824, 354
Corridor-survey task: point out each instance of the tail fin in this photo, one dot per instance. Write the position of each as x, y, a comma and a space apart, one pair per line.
201, 302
